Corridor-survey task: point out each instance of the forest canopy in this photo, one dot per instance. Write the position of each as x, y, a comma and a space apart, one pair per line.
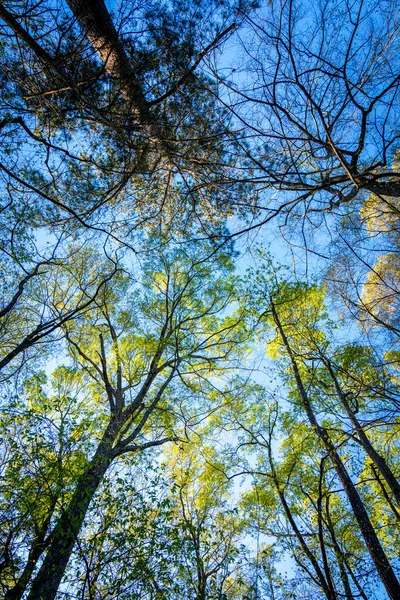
199, 294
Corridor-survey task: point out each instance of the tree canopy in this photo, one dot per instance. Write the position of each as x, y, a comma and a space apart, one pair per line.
199, 241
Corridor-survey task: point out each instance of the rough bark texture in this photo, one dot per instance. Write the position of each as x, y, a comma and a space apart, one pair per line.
66, 530
96, 23
38, 546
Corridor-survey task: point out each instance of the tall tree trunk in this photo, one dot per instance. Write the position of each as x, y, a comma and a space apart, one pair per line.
376, 458
372, 542
385, 492
97, 25
319, 575
339, 556
38, 546
321, 528
65, 533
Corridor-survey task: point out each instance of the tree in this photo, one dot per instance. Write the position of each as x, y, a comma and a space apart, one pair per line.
288, 500
160, 533
46, 439
365, 269
375, 549
318, 97
138, 356
43, 296
149, 119
104, 132
295, 311
292, 501
209, 527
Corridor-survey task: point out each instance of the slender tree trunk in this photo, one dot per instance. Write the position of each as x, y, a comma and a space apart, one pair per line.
321, 529
376, 458
339, 555
201, 583
385, 492
320, 578
64, 535
372, 542
38, 546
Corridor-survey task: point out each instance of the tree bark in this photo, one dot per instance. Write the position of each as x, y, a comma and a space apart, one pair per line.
320, 519
64, 535
385, 492
38, 546
384, 188
339, 556
66, 531
97, 25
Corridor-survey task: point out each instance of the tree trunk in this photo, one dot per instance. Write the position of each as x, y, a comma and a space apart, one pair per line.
320, 578
65, 533
321, 539
96, 23
339, 556
376, 458
385, 492
372, 542
384, 188
38, 546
